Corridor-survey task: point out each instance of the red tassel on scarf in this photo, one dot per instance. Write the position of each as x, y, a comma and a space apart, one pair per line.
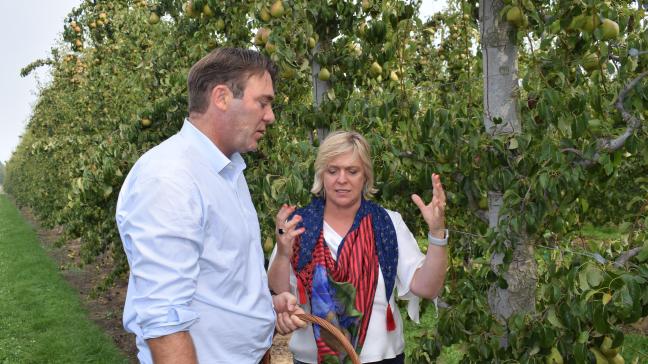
391, 324
302, 292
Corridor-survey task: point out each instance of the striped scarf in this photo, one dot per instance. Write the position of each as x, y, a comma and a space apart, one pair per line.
342, 290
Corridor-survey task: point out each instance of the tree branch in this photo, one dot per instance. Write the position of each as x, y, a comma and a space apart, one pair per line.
623, 258
608, 144
631, 121
25, 71
585, 161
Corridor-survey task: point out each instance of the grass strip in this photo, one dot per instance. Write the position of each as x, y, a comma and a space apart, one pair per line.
41, 317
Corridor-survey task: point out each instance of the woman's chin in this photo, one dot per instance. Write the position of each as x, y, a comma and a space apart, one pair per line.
343, 202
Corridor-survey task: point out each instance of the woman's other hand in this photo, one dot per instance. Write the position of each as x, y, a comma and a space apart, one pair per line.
434, 212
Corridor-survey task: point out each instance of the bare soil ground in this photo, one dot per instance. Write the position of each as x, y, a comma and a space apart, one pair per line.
106, 307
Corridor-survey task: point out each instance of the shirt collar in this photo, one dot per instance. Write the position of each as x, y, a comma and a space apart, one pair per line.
230, 168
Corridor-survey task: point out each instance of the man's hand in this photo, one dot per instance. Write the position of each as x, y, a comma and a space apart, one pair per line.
285, 305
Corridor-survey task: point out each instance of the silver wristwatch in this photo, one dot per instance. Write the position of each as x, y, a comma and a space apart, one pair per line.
438, 242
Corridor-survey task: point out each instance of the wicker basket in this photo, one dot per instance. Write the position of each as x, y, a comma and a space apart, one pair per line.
334, 331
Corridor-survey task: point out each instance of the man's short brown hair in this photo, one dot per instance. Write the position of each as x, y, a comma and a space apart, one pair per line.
225, 66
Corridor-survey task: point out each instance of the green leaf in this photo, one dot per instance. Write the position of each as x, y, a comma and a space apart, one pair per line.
589, 294
554, 27
330, 93
553, 319
594, 123
580, 353
534, 350
582, 280
528, 5
107, 191
643, 254
513, 144
626, 298
594, 277
565, 126
607, 164
544, 180
600, 320
505, 8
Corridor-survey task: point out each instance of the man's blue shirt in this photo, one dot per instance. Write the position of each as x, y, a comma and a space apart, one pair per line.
191, 235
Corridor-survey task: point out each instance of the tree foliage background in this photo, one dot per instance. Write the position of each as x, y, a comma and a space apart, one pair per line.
414, 88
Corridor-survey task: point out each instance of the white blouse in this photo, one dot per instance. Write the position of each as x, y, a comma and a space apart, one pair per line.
379, 343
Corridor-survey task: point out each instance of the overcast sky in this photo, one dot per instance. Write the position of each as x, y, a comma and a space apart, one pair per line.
28, 30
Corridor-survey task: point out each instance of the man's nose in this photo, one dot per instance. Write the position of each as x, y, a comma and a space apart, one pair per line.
269, 116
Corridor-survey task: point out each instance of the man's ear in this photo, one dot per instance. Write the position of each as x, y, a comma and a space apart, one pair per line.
221, 96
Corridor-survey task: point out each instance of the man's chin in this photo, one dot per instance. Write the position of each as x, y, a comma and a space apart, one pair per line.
252, 147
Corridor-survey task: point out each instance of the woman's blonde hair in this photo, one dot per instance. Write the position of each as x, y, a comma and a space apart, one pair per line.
337, 144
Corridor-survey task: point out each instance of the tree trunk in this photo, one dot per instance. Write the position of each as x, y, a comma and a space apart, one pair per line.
500, 118
500, 71
319, 90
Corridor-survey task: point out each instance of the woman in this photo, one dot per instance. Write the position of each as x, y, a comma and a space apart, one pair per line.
343, 255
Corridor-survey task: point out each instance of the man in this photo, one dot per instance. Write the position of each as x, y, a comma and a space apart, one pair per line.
198, 290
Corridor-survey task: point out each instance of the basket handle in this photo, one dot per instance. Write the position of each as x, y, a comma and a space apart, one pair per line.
339, 336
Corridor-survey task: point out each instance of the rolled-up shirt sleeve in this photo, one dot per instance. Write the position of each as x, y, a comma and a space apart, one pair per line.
160, 222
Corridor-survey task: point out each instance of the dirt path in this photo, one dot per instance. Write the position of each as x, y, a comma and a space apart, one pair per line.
280, 353
106, 308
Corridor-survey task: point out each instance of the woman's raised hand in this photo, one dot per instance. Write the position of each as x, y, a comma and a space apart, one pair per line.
434, 212
286, 230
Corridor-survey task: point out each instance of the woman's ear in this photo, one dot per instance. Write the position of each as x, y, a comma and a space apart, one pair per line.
221, 96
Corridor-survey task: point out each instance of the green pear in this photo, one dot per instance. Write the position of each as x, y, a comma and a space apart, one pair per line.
277, 9
153, 18
591, 22
324, 74
514, 16
375, 69
600, 358
609, 29
554, 357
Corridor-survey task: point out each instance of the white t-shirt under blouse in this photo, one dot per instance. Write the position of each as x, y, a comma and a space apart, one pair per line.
379, 343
